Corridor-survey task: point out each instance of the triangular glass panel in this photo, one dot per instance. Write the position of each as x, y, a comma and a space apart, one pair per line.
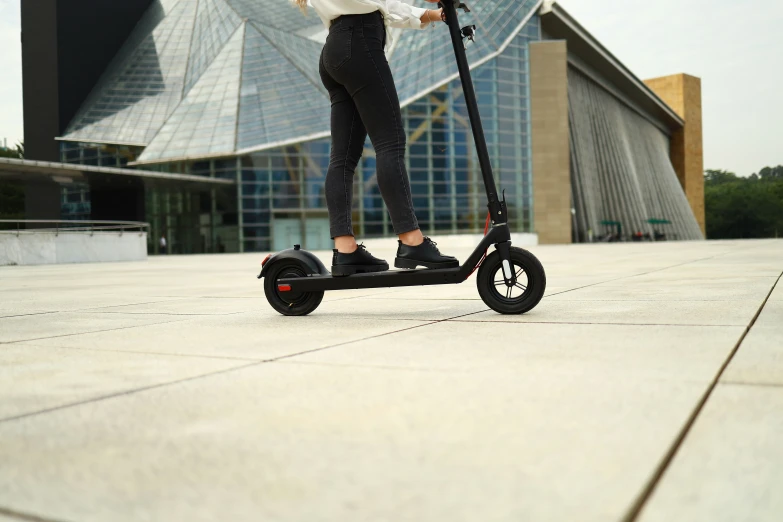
277, 102
505, 17
280, 14
424, 59
143, 84
301, 52
205, 122
215, 23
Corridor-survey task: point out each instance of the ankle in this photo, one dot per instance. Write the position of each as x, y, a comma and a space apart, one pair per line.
413, 238
345, 244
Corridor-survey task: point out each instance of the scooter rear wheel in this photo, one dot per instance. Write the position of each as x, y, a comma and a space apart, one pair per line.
289, 303
520, 298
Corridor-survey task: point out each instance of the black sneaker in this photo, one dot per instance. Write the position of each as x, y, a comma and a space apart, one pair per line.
360, 261
426, 255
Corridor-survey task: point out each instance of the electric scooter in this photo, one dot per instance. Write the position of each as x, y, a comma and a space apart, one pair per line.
510, 280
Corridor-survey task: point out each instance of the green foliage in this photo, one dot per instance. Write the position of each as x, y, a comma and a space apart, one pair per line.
718, 177
16, 153
11, 201
771, 173
12, 194
744, 207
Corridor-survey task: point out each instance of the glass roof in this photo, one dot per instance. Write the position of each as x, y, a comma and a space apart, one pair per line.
215, 24
213, 77
205, 122
143, 84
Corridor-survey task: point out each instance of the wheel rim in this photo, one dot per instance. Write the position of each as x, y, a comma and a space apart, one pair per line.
514, 294
290, 298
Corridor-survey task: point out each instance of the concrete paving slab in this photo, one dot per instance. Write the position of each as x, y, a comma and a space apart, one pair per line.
638, 289
771, 315
302, 442
258, 336
564, 422
34, 378
759, 359
396, 309
19, 302
777, 293
187, 306
708, 272
717, 313
562, 351
730, 466
35, 327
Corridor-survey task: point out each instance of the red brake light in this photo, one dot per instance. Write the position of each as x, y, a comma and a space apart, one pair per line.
265, 260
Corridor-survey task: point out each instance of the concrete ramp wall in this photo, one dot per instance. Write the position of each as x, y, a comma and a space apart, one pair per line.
49, 248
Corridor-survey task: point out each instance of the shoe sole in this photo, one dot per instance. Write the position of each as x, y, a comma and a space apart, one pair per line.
401, 262
348, 270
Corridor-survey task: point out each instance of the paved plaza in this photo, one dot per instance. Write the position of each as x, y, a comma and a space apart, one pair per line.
647, 385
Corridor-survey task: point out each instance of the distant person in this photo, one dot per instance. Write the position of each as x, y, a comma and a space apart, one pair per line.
163, 244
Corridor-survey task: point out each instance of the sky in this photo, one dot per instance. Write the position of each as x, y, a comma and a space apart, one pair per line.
735, 47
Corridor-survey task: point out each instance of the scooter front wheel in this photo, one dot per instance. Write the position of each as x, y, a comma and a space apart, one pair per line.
288, 302
517, 299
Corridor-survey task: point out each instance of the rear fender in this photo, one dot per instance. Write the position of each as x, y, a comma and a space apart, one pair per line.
309, 262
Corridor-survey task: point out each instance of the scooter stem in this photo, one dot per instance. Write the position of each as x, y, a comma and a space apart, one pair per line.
497, 207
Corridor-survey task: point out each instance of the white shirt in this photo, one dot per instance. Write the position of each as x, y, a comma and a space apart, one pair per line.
396, 13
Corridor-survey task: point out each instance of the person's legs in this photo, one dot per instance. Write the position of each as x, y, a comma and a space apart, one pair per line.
348, 135
353, 57
368, 79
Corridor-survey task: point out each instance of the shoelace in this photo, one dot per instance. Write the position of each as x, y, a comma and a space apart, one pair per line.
434, 244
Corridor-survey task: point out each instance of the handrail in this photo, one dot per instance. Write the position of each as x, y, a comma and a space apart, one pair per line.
72, 226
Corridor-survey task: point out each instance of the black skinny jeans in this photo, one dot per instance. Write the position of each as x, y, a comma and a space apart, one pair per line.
364, 99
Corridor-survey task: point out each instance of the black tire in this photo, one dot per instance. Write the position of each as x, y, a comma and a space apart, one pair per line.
531, 283
288, 303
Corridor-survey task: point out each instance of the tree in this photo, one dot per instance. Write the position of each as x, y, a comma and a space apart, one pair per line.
771, 173
717, 177
738, 207
12, 194
16, 153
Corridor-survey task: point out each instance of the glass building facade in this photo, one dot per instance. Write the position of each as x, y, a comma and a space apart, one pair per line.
259, 91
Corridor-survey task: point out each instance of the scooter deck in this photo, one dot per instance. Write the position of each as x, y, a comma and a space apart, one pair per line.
395, 278
387, 279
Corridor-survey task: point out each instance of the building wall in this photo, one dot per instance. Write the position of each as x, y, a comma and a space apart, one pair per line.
551, 165
623, 182
683, 94
39, 79
281, 190
66, 46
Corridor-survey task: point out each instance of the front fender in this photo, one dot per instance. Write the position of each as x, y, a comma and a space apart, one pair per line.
309, 262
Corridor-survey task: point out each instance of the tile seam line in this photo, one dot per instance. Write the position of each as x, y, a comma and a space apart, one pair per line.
649, 489
195, 377
136, 352
27, 315
171, 314
500, 321
124, 393
751, 384
91, 332
641, 274
428, 323
26, 516
94, 308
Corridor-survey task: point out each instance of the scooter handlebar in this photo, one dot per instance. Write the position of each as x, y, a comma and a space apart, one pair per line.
457, 5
